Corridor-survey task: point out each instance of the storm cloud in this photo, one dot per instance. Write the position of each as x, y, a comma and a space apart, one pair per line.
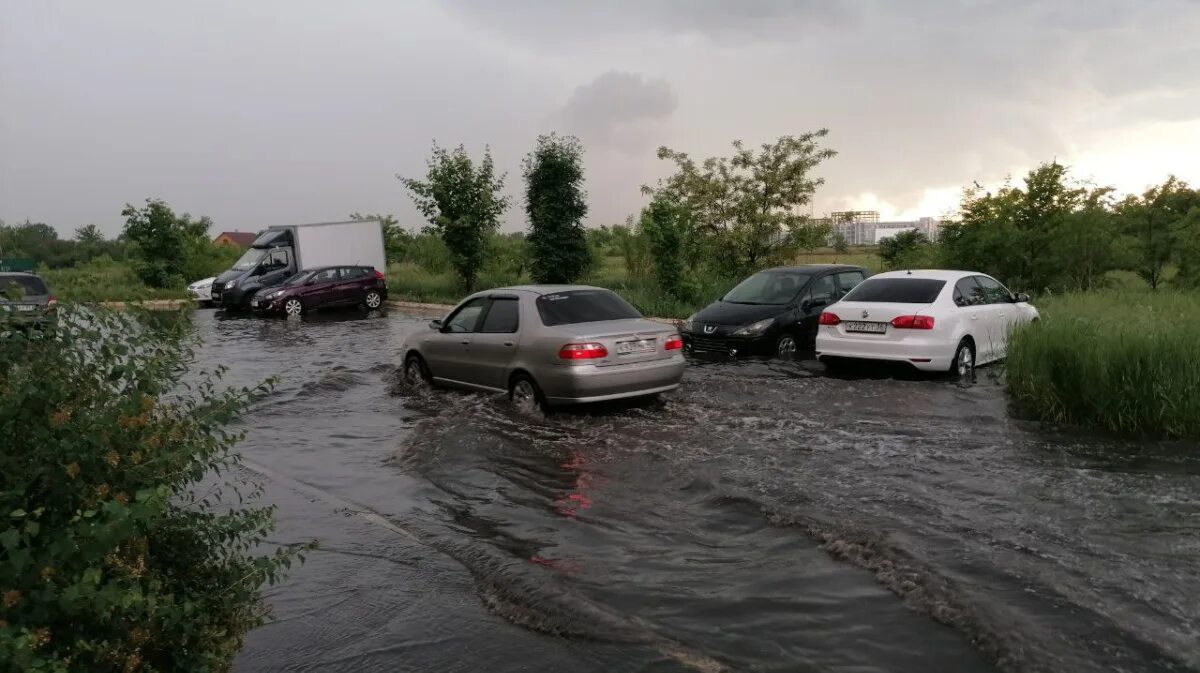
290, 111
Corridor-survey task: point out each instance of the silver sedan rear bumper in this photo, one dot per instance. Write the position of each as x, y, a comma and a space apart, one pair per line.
580, 384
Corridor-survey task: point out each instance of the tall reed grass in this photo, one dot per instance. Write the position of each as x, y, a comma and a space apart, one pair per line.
1124, 361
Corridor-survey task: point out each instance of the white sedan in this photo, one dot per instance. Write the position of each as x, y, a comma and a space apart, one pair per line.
201, 291
932, 320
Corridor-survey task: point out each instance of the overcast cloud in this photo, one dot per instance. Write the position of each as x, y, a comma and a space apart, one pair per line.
266, 112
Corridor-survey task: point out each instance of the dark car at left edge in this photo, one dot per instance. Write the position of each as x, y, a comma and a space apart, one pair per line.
324, 287
773, 312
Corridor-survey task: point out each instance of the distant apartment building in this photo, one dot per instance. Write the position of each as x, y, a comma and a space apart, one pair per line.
863, 227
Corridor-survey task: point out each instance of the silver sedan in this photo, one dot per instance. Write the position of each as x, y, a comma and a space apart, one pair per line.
547, 345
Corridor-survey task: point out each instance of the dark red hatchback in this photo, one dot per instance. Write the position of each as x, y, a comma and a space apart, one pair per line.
324, 287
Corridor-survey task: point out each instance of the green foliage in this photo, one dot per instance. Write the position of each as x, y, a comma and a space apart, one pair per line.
840, 244
89, 234
111, 556
555, 204
1054, 234
103, 279
665, 228
1151, 224
1087, 363
166, 245
629, 244
508, 257
744, 210
396, 239
1187, 250
463, 205
896, 251
40, 242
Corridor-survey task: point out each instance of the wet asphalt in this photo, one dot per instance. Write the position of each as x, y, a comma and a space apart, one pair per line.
764, 517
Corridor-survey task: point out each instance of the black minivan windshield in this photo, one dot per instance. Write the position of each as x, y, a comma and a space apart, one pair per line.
250, 259
897, 290
768, 287
576, 306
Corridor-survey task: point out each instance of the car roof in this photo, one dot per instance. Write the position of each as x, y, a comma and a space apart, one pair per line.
543, 289
929, 274
814, 267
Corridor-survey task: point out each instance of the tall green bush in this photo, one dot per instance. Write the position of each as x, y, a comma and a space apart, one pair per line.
111, 559
664, 226
555, 204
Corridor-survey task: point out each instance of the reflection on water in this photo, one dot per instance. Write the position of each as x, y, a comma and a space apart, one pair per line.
763, 517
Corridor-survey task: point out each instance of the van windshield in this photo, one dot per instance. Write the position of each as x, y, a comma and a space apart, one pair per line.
768, 287
249, 260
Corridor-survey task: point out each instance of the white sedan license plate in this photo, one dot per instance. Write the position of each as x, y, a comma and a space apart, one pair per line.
631, 347
868, 327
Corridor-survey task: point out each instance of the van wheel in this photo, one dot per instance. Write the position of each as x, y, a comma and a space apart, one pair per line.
525, 394
372, 300
964, 360
293, 307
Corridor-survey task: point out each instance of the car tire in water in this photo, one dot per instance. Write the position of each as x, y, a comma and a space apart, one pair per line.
525, 394
372, 300
293, 307
786, 347
963, 364
416, 374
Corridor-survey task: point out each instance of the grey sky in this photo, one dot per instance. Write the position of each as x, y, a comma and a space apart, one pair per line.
265, 112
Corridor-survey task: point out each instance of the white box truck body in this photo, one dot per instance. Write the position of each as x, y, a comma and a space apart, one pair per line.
354, 243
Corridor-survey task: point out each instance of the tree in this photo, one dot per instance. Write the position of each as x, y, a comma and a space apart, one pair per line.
556, 204
1187, 250
396, 240
747, 206
840, 245
1151, 223
462, 204
89, 234
165, 245
893, 250
665, 228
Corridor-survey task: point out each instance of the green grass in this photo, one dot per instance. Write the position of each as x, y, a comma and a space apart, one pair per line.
1125, 361
103, 281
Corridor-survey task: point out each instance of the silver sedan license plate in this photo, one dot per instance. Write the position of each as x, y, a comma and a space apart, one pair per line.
868, 327
26, 307
631, 347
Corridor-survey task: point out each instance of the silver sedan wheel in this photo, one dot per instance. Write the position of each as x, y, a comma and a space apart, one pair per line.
373, 300
524, 395
293, 307
965, 360
414, 375
786, 348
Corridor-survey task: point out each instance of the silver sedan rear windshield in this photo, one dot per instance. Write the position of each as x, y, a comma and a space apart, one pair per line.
24, 285
576, 306
897, 290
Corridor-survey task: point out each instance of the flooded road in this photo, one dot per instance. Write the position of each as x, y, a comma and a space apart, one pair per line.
764, 517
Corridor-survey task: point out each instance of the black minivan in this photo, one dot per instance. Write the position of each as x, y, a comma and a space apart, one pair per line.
773, 312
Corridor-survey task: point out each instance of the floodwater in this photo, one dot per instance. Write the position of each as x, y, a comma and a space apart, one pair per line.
763, 517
